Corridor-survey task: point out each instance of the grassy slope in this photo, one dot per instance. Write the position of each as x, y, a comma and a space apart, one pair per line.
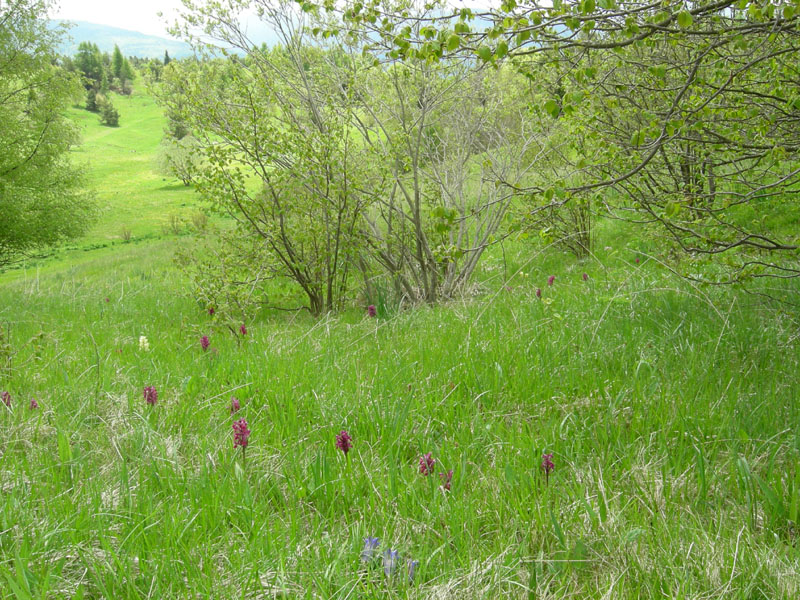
674, 430
672, 417
121, 169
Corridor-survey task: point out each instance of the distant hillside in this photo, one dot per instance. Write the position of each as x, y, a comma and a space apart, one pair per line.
132, 43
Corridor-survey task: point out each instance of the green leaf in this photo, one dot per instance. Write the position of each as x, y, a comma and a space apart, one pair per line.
485, 53
552, 107
453, 42
671, 209
502, 49
685, 19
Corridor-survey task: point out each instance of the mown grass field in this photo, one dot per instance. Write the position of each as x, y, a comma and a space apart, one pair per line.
670, 410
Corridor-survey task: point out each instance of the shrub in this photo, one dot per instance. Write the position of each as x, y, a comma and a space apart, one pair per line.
200, 221
109, 115
91, 100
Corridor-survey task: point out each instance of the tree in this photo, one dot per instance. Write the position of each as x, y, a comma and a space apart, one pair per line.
89, 62
366, 157
178, 158
314, 181
126, 71
91, 101
166, 58
116, 62
109, 116
689, 111
42, 198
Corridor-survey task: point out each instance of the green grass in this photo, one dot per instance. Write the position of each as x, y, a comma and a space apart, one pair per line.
671, 411
121, 169
672, 419
130, 195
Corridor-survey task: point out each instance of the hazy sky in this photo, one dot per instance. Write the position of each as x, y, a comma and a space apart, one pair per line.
137, 15
142, 15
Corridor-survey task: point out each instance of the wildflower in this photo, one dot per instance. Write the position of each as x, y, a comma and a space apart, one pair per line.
344, 442
538, 292
446, 479
547, 466
204, 343
426, 462
637, 260
107, 300
211, 311
235, 406
411, 566
240, 434
34, 404
586, 277
6, 398
372, 311
242, 329
551, 279
369, 553
390, 560
150, 395
144, 345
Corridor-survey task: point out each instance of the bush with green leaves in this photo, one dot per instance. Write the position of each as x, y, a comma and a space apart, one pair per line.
178, 158
109, 115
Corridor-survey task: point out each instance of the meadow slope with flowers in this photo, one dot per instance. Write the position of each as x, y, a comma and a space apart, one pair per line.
619, 435
589, 430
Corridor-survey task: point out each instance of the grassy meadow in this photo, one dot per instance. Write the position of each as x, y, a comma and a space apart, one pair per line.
670, 411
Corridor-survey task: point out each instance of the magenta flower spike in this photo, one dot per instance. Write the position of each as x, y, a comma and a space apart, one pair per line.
235, 405
211, 311
150, 395
204, 343
586, 277
547, 466
551, 279
6, 398
243, 329
372, 311
446, 478
637, 260
241, 434
34, 404
538, 292
426, 464
344, 442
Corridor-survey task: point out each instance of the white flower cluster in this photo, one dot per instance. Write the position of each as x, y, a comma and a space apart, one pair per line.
144, 345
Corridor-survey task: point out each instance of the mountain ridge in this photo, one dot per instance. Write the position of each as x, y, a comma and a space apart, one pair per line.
131, 43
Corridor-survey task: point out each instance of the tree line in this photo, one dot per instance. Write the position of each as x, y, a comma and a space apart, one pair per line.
381, 151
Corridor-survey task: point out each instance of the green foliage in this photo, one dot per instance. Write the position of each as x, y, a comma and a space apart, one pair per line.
307, 205
42, 199
178, 158
91, 101
117, 60
89, 62
109, 116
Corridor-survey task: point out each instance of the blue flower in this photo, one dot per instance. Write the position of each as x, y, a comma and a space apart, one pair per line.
390, 560
369, 553
412, 569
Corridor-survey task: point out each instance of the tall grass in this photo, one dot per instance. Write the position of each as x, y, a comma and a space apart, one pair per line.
671, 413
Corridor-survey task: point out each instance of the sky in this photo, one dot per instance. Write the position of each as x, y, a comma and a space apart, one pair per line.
142, 15
136, 15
